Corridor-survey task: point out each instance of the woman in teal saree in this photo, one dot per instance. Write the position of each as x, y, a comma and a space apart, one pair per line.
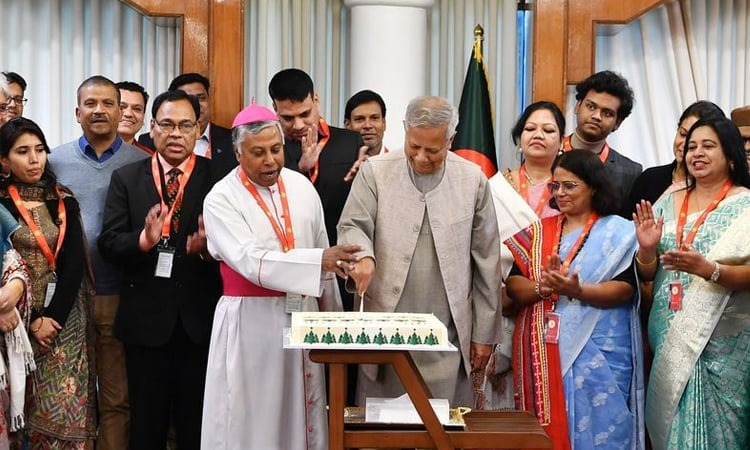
695, 244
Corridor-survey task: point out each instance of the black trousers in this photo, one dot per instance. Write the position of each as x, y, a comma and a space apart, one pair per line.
166, 380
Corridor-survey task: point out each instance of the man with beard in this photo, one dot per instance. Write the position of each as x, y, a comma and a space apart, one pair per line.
604, 101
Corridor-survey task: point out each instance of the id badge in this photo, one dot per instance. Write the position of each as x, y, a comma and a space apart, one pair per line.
164, 262
675, 295
51, 286
293, 303
551, 327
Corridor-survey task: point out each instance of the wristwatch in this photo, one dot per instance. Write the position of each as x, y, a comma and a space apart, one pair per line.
716, 273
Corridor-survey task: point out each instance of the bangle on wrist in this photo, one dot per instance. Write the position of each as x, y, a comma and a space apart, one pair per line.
41, 322
642, 263
539, 293
714, 278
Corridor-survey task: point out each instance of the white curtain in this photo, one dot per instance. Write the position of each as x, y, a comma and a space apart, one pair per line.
451, 26
56, 44
314, 36
678, 53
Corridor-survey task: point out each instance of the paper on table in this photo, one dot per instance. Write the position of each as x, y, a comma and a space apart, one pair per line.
401, 410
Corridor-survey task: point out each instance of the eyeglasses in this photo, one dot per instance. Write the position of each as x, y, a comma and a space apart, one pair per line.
185, 127
18, 99
3, 109
567, 186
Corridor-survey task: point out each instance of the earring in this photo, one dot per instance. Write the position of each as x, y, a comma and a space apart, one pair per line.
519, 150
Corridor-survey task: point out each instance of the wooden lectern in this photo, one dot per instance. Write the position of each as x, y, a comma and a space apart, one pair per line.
484, 429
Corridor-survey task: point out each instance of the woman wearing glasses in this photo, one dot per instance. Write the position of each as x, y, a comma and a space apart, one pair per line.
694, 243
60, 409
577, 337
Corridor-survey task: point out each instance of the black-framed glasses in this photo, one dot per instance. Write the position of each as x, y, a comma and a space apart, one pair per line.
567, 186
185, 127
19, 100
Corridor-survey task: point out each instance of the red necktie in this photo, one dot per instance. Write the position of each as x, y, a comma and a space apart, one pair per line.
173, 185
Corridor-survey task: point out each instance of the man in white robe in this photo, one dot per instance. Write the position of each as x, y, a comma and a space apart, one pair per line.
426, 217
265, 225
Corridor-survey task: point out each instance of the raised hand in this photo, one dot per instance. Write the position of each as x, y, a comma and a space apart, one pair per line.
647, 227
355, 167
311, 149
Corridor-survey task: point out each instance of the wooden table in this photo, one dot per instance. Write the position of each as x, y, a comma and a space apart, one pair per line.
484, 429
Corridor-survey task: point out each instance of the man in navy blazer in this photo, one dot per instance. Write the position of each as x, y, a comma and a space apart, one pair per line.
170, 285
215, 141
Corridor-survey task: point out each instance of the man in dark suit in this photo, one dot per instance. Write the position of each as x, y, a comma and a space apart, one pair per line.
329, 156
604, 101
153, 228
215, 141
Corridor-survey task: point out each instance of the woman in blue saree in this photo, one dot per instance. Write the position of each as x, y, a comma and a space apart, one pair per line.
574, 273
695, 244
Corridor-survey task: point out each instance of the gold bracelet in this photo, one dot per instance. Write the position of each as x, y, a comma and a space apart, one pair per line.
638, 261
539, 293
40, 325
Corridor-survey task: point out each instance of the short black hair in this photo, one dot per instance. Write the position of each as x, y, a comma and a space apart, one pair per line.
515, 133
587, 166
361, 97
98, 80
12, 77
291, 84
133, 87
189, 78
701, 109
732, 145
611, 83
174, 96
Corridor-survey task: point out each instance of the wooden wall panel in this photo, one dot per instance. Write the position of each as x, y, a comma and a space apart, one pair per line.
564, 40
212, 45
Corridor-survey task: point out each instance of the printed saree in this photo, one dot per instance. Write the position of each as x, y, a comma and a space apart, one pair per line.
586, 390
699, 388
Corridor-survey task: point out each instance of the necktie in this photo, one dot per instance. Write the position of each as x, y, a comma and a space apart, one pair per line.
173, 185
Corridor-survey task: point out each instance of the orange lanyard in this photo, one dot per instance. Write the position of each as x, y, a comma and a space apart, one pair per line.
682, 219
286, 239
184, 177
326, 133
524, 187
36, 231
573, 250
567, 146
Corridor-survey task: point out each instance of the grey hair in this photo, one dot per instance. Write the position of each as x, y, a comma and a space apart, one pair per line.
4, 85
239, 133
432, 112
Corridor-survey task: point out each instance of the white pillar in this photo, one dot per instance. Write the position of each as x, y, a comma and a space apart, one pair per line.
389, 55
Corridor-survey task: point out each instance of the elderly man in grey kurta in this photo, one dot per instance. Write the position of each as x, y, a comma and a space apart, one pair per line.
427, 224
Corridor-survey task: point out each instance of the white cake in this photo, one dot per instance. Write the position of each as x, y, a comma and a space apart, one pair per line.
361, 328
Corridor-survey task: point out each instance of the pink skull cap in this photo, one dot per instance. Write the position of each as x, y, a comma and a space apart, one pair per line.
254, 113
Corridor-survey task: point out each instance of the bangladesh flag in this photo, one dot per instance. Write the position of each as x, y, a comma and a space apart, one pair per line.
474, 138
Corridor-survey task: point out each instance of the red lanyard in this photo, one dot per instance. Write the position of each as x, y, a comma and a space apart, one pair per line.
286, 239
326, 133
682, 219
36, 231
184, 177
573, 250
524, 187
567, 146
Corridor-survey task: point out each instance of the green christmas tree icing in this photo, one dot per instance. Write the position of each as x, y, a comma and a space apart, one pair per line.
431, 339
363, 338
397, 339
345, 337
380, 338
311, 338
328, 338
414, 339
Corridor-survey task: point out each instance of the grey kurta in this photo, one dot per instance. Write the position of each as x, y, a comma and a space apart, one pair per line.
436, 244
